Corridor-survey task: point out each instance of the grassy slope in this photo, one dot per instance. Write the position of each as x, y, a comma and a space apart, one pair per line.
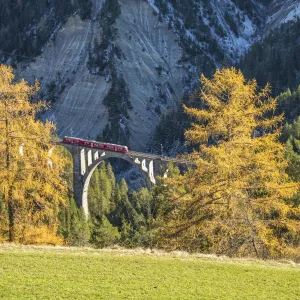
56, 273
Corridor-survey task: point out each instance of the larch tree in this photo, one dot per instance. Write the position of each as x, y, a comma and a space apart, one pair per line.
30, 177
233, 201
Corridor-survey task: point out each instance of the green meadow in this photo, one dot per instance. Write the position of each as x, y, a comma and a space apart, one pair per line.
28, 272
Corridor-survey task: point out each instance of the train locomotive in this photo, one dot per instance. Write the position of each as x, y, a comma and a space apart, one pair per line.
94, 144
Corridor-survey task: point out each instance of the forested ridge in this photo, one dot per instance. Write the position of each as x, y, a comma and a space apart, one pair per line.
27, 25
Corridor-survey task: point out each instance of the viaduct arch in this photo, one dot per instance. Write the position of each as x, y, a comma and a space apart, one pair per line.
86, 160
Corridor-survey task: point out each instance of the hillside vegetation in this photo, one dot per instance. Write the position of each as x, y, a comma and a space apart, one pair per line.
52, 273
240, 199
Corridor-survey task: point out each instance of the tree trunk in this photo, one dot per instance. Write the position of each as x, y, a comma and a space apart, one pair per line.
10, 202
11, 219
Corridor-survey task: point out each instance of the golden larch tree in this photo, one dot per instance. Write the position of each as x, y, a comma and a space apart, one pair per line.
233, 201
30, 180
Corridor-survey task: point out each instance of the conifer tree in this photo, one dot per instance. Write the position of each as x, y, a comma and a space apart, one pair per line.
112, 180
80, 229
233, 201
101, 190
95, 195
291, 137
104, 234
30, 180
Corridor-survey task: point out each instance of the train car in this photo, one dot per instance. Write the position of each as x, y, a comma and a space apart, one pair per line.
94, 144
71, 140
98, 145
114, 147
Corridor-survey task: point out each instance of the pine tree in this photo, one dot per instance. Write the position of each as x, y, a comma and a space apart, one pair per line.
95, 195
291, 137
101, 191
112, 180
80, 229
105, 234
233, 201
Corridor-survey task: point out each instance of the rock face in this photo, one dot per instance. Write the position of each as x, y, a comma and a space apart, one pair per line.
281, 11
153, 63
149, 69
78, 111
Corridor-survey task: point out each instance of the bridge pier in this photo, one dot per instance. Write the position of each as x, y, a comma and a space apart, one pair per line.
79, 170
86, 160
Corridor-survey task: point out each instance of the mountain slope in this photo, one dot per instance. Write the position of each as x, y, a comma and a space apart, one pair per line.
65, 79
148, 65
110, 71
25, 26
280, 12
274, 58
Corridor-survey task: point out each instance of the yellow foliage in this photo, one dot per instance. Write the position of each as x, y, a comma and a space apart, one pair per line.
42, 235
31, 190
3, 227
233, 201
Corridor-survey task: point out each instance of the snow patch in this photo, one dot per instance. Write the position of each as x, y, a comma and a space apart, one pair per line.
293, 15
281, 13
151, 3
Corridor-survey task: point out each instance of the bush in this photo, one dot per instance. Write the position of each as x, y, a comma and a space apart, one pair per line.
43, 235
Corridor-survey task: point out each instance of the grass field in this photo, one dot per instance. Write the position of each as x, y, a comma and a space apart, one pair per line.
62, 273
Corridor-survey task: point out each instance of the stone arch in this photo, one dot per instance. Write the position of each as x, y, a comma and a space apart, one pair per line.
86, 160
92, 167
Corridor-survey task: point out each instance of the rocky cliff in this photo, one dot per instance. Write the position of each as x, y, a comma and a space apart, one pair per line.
149, 66
118, 68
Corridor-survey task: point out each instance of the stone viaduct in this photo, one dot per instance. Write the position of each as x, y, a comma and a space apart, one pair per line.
86, 160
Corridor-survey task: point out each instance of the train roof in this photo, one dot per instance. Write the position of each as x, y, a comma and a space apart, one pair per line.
69, 137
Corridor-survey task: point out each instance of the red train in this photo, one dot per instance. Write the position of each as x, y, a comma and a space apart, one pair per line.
94, 144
